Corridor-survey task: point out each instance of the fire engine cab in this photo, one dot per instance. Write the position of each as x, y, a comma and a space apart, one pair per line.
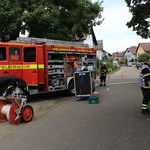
33, 65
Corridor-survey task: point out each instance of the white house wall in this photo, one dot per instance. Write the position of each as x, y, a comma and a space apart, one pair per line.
99, 54
129, 56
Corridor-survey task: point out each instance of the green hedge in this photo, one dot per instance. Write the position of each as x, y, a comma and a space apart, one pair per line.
143, 57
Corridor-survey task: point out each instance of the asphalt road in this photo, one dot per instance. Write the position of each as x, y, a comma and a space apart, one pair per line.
116, 123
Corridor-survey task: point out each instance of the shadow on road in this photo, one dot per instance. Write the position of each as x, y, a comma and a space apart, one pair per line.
49, 96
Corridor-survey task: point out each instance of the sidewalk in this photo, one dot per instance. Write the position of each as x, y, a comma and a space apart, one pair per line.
125, 73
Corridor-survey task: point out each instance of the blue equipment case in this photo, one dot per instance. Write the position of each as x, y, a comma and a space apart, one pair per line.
83, 84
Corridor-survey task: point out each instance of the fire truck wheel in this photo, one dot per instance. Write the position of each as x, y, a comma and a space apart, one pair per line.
12, 90
71, 90
27, 113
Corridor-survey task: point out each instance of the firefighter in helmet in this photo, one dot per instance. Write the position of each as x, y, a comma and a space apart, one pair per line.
103, 74
144, 80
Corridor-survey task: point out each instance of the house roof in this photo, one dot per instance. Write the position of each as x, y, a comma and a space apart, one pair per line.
118, 54
145, 46
106, 52
132, 50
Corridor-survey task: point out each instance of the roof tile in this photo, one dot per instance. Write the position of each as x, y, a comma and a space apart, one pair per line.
145, 46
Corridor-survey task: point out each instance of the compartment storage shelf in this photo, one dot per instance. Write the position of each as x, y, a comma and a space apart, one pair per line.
56, 61
55, 73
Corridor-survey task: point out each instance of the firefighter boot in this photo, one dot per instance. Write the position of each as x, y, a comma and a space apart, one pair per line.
101, 84
145, 109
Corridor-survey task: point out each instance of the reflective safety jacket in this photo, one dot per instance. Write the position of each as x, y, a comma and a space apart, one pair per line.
103, 71
144, 77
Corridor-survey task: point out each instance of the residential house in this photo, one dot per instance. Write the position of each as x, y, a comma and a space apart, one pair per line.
106, 55
101, 53
99, 48
130, 55
118, 55
142, 49
89, 41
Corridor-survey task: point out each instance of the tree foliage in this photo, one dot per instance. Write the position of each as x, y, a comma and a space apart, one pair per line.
10, 19
133, 47
140, 21
55, 19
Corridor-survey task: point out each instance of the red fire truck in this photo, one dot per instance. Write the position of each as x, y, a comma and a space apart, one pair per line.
29, 67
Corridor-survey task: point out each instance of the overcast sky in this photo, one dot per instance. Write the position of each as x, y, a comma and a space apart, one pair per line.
113, 31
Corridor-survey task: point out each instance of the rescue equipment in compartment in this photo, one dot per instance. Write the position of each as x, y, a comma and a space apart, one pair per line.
15, 110
72, 58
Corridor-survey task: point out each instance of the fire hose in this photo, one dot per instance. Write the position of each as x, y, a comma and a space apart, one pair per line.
15, 110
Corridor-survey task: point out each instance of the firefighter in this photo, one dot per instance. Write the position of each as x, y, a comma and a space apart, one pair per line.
144, 80
103, 74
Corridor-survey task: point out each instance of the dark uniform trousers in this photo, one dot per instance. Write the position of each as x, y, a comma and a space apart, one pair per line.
146, 95
103, 80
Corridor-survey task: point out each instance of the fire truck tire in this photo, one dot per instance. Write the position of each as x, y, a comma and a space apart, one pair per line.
71, 90
27, 113
11, 88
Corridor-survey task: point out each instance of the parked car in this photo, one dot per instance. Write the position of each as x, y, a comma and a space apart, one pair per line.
131, 64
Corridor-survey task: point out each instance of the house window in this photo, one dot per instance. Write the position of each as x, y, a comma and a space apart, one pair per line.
14, 53
2, 53
29, 54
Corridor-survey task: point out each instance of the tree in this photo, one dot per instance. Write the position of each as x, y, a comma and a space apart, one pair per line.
140, 21
143, 57
133, 47
10, 18
63, 19
55, 19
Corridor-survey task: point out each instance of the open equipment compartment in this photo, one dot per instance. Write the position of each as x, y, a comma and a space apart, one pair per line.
56, 71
